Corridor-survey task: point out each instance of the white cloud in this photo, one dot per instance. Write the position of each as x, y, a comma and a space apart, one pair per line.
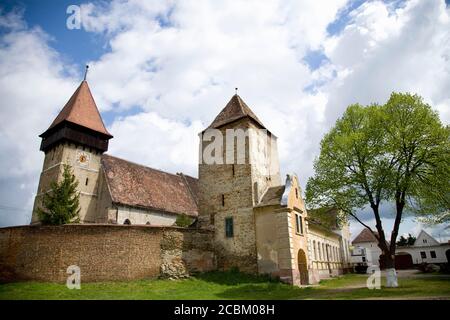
149, 139
33, 86
384, 50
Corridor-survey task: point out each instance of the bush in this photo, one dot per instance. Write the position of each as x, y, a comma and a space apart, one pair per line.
183, 221
428, 268
361, 269
445, 268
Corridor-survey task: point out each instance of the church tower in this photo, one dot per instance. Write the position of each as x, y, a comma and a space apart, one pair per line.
76, 137
238, 163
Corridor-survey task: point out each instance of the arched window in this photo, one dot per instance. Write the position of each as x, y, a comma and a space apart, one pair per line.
324, 252
147, 223
320, 252
314, 250
127, 222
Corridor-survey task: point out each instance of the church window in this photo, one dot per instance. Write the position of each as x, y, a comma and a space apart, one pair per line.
296, 193
424, 240
423, 254
147, 223
223, 200
314, 249
319, 256
299, 224
433, 254
229, 227
87, 181
127, 222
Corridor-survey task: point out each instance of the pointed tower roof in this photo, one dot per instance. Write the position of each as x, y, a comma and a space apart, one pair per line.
234, 110
82, 110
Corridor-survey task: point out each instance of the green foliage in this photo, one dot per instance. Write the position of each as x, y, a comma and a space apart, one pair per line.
397, 152
62, 204
410, 240
421, 146
183, 221
402, 241
406, 241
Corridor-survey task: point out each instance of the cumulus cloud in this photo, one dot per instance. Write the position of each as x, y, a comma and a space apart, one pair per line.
386, 49
34, 84
163, 144
170, 66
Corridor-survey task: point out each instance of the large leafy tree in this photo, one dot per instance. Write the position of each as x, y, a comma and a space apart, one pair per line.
62, 204
396, 153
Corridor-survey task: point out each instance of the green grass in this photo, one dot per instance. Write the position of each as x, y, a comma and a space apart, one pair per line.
230, 285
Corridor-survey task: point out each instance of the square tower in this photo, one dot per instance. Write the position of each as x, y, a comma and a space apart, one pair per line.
76, 137
238, 163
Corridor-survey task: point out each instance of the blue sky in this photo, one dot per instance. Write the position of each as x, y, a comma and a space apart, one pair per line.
162, 71
77, 46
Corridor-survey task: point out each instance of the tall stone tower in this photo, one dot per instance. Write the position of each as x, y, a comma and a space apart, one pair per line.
76, 137
234, 173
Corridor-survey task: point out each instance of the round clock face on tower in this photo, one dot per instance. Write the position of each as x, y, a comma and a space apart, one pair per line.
82, 158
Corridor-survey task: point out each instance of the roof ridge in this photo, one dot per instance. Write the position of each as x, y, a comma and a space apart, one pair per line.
81, 109
136, 185
235, 109
188, 186
142, 165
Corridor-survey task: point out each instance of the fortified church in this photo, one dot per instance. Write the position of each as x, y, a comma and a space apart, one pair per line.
260, 223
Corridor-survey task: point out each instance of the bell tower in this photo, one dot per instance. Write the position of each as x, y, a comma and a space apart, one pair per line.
77, 137
238, 163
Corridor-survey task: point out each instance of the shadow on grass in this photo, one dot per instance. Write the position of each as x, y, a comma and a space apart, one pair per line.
268, 291
233, 278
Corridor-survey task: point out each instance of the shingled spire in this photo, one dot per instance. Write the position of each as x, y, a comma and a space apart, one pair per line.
234, 110
79, 121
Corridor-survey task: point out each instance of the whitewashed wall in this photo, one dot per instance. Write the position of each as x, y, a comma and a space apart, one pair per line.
417, 259
139, 216
373, 252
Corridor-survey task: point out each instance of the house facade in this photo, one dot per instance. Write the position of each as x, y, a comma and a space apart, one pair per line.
426, 249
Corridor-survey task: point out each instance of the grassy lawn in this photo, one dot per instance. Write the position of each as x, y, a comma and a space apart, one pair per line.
229, 285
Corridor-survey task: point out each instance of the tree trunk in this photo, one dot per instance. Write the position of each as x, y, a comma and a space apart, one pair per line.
391, 274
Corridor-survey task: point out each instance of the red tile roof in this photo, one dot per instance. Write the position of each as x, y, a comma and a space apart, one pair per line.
82, 110
135, 185
365, 236
234, 110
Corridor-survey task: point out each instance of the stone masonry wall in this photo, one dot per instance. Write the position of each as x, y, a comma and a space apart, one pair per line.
87, 175
103, 252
